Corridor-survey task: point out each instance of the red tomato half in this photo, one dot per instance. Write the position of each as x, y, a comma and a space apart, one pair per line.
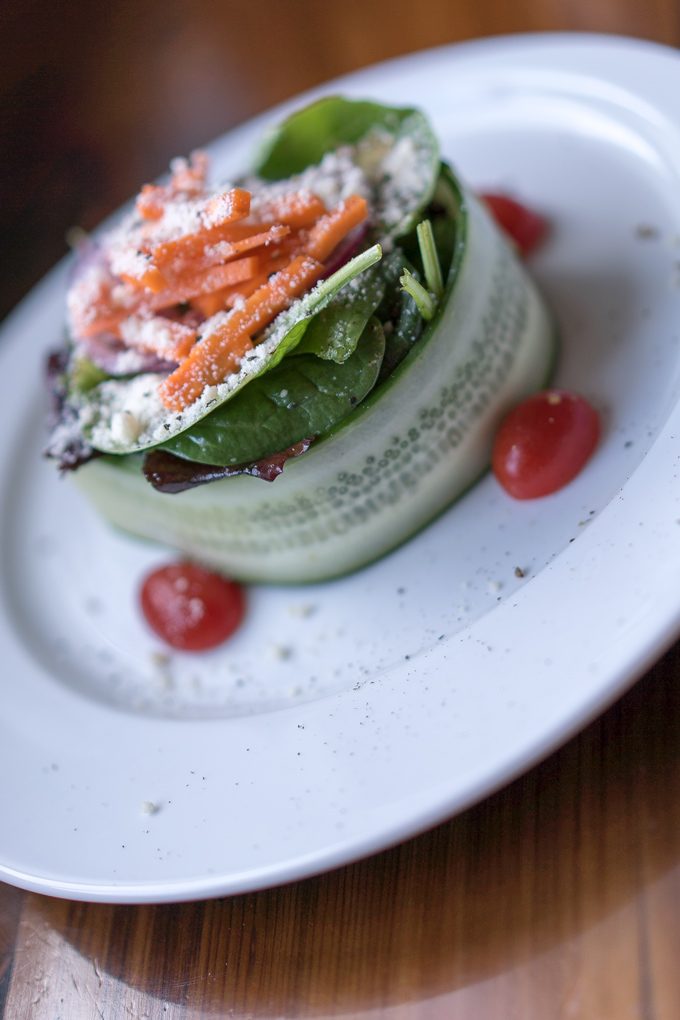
526, 228
544, 442
191, 608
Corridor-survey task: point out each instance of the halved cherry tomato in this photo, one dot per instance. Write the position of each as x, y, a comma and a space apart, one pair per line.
544, 442
526, 228
191, 608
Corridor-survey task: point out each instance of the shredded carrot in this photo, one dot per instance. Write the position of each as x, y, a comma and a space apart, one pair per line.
246, 227
254, 263
208, 247
226, 207
297, 209
106, 322
152, 278
210, 360
188, 284
210, 304
230, 279
195, 376
331, 229
228, 297
189, 177
150, 203
230, 234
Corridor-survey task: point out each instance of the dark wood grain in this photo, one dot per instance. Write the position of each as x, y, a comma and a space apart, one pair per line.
558, 897
82, 123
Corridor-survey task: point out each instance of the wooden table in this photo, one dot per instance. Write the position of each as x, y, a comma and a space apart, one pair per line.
558, 897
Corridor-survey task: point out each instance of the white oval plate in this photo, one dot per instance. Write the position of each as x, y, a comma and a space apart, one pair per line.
345, 717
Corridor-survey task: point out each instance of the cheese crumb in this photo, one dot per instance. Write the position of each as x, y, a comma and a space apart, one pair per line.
125, 427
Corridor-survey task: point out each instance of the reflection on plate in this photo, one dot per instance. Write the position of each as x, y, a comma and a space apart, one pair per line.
346, 716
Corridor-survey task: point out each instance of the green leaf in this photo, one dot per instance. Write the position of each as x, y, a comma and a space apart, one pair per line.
304, 312
402, 191
304, 138
85, 375
303, 396
334, 332
402, 337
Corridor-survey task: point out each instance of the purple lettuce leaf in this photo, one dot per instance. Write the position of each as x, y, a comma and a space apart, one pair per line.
170, 474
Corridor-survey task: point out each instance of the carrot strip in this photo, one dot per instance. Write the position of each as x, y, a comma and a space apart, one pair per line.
228, 297
329, 230
210, 361
190, 284
107, 322
150, 203
208, 247
189, 177
210, 304
229, 279
226, 207
221, 264
297, 209
246, 227
195, 376
151, 279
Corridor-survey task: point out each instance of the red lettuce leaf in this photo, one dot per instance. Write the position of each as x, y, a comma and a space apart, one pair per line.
170, 474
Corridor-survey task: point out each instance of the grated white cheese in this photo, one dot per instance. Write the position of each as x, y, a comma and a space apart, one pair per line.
128, 362
83, 296
126, 260
397, 169
152, 333
124, 410
334, 179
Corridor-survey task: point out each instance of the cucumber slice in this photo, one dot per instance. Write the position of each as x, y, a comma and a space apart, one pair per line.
416, 443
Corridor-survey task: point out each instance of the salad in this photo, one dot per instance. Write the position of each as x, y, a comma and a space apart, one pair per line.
346, 322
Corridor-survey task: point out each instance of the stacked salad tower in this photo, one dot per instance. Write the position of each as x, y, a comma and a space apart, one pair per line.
346, 321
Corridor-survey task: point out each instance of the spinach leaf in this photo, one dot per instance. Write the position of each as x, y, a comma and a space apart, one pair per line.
304, 396
406, 330
404, 181
305, 137
304, 313
334, 332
